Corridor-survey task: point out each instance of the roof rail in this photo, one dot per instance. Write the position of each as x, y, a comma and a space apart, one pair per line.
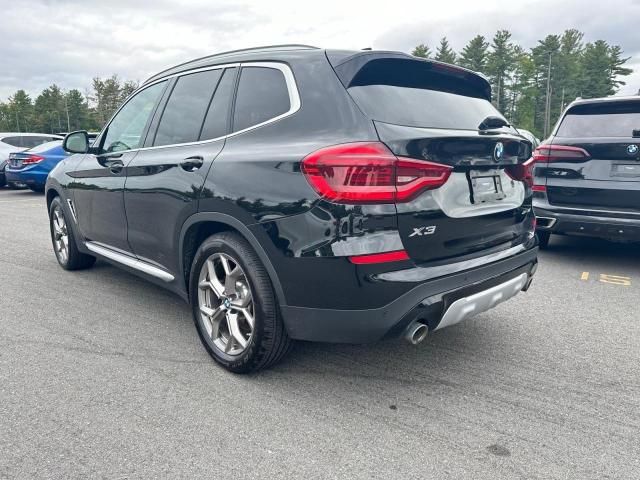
240, 50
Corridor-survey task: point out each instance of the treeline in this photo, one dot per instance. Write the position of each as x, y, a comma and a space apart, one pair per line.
531, 87
55, 110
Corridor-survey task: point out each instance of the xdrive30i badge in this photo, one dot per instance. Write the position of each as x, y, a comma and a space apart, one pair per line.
632, 149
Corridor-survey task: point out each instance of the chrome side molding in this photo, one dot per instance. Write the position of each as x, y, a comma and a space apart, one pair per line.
130, 262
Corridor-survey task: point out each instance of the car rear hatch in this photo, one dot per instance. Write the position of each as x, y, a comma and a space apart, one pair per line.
432, 113
593, 161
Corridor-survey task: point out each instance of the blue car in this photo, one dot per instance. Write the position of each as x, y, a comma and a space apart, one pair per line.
32, 166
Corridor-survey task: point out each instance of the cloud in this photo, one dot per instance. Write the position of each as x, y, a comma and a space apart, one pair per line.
615, 21
68, 42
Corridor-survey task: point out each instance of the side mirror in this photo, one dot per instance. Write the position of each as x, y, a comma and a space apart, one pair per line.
76, 142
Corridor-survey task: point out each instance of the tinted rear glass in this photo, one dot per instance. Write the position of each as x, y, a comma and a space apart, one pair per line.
46, 146
215, 123
183, 116
420, 107
615, 119
262, 95
27, 141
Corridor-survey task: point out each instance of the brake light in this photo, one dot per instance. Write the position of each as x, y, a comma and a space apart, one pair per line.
32, 159
362, 172
559, 153
523, 172
395, 256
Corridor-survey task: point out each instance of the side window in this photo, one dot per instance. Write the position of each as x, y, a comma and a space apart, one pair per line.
29, 141
185, 110
126, 129
262, 95
215, 123
13, 141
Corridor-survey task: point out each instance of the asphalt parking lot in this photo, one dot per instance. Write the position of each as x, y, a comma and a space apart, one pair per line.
102, 375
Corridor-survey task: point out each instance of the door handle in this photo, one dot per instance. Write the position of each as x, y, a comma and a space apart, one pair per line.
192, 164
114, 166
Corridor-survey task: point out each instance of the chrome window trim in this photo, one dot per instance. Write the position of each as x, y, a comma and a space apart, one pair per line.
292, 87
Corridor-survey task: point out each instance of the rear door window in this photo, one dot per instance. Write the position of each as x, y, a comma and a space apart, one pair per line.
215, 123
610, 119
185, 111
262, 95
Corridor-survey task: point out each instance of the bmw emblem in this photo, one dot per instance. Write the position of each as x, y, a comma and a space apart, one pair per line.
498, 151
227, 303
632, 149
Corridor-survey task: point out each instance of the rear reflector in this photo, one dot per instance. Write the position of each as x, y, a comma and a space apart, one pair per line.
385, 257
560, 153
356, 173
539, 188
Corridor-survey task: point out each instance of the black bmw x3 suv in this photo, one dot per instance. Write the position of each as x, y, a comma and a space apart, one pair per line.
587, 173
292, 192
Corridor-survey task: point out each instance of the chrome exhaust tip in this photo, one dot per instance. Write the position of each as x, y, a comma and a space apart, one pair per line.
416, 332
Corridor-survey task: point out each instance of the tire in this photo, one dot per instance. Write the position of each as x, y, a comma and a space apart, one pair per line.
216, 311
69, 258
543, 239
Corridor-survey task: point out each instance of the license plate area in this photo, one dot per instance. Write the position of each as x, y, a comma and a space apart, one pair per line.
625, 170
485, 186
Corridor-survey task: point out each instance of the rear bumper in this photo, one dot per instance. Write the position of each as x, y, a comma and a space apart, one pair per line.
602, 224
427, 302
29, 177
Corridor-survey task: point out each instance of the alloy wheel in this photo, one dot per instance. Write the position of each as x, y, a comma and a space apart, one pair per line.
226, 304
60, 235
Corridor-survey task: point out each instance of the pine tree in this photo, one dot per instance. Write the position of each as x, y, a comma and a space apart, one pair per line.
20, 112
421, 51
596, 70
500, 64
49, 111
445, 53
474, 54
616, 69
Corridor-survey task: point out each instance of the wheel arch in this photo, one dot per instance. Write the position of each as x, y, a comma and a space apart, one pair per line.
201, 225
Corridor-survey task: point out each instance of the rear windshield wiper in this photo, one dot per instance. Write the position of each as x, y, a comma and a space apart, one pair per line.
493, 122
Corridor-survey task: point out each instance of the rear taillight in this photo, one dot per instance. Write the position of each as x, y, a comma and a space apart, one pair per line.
31, 159
559, 153
369, 173
522, 172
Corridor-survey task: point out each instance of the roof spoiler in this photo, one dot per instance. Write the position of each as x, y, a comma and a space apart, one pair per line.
401, 69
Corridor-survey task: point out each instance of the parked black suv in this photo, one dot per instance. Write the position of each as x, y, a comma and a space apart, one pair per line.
297, 193
587, 173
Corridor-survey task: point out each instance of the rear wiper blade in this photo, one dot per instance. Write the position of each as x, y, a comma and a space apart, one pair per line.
492, 122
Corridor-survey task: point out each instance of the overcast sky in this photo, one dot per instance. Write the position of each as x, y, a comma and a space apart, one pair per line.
68, 42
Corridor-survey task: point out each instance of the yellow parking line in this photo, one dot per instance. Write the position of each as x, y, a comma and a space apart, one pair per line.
585, 276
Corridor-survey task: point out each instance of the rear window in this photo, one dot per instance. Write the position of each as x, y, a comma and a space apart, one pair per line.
614, 119
421, 94
46, 146
27, 141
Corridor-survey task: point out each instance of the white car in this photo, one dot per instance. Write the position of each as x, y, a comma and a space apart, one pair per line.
17, 142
